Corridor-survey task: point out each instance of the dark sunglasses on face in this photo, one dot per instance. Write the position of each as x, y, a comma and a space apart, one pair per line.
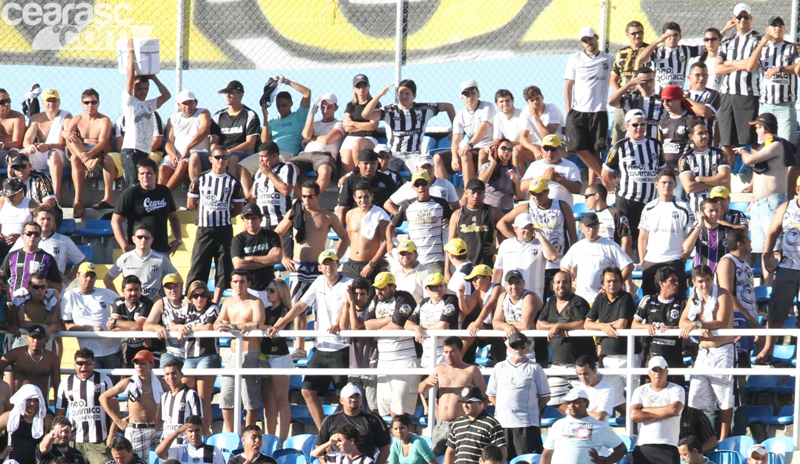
271, 290
84, 363
588, 195
506, 148
743, 17
5, 101
635, 33
710, 39
33, 233
309, 196
362, 85
38, 287
550, 148
636, 125
220, 158
199, 295
90, 102
143, 237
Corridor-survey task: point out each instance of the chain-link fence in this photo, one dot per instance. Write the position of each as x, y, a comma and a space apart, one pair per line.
71, 44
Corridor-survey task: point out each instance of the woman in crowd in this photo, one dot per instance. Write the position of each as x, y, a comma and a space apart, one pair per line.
359, 129
501, 177
408, 448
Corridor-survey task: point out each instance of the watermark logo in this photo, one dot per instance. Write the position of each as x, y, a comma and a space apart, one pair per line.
75, 26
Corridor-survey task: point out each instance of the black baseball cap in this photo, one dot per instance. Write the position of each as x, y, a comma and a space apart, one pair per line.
476, 184
590, 220
359, 79
19, 159
37, 331
517, 340
768, 120
233, 86
367, 154
776, 19
470, 394
251, 209
514, 274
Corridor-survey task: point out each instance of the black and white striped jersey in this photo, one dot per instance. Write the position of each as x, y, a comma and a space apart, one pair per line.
199, 347
176, 407
651, 106
781, 87
636, 163
81, 399
405, 128
705, 163
216, 194
739, 47
274, 205
670, 64
710, 98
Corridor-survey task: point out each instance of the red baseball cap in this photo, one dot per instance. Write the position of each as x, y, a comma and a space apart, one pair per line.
144, 356
672, 92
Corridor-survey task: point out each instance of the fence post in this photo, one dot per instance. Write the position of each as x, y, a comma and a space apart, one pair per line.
432, 394
793, 25
399, 37
237, 389
631, 356
604, 25
179, 48
796, 426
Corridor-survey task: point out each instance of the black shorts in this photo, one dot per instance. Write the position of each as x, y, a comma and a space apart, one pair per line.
327, 359
353, 269
656, 454
523, 440
734, 116
587, 131
312, 161
784, 289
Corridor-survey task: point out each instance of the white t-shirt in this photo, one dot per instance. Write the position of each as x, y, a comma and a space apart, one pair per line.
565, 168
60, 246
668, 224
602, 398
665, 431
326, 301
551, 115
591, 258
188, 453
441, 188
91, 309
591, 75
505, 128
571, 439
139, 122
467, 123
527, 258
324, 128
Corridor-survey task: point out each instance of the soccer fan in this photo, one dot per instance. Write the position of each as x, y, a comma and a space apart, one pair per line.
691, 451
701, 167
472, 432
735, 275
321, 142
639, 93
43, 372
358, 130
43, 142
613, 224
188, 144
734, 217
287, 129
25, 424
673, 126
475, 224
145, 263
526, 252
410, 274
179, 401
438, 311
669, 61
703, 100
518, 309
57, 245
166, 311
506, 122
123, 453
130, 312
418, 450
238, 126
37, 184
709, 237
656, 407
344, 439
193, 449
38, 305
381, 185
252, 439
623, 70
563, 176
366, 226
19, 265
500, 176
275, 184
257, 250
440, 188
603, 398
17, 209
537, 122
55, 444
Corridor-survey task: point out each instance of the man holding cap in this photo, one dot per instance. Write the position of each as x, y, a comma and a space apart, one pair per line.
732, 216
321, 142
657, 406
188, 145
381, 185
27, 366
427, 218
579, 438
563, 176
587, 79
287, 129
472, 130
238, 125
257, 250
374, 437
586, 259
471, 433
518, 388
757, 454
475, 224
440, 188
85, 308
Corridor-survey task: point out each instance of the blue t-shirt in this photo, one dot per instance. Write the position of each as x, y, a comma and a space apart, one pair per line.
418, 452
288, 132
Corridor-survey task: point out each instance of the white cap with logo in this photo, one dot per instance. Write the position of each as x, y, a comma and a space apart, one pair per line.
329, 98
349, 390
587, 31
657, 361
741, 8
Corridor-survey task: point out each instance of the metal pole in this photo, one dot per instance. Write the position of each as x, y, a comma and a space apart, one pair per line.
398, 43
179, 49
604, 25
793, 25
629, 382
796, 428
237, 389
432, 396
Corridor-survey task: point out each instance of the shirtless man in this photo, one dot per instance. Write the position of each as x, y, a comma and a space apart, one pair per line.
451, 378
366, 227
38, 305
88, 138
143, 424
44, 142
242, 312
12, 128
711, 307
310, 234
33, 364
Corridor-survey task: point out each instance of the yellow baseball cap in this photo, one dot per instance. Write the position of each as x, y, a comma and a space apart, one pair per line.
87, 267
173, 278
421, 175
721, 191
456, 246
50, 93
479, 270
538, 185
383, 279
434, 279
406, 245
551, 140
327, 254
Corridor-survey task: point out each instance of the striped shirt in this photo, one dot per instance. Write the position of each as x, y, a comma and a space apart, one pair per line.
736, 218
198, 347
613, 224
739, 47
141, 311
782, 87
81, 399
469, 437
701, 164
625, 63
340, 457
790, 249
711, 246
742, 284
274, 205
216, 194
19, 265
405, 128
38, 187
652, 107
174, 315
399, 307
711, 99
670, 64
177, 407
425, 226
635, 163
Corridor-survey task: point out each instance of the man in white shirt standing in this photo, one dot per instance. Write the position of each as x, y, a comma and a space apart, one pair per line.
587, 78
526, 252
410, 274
665, 224
562, 175
657, 407
540, 120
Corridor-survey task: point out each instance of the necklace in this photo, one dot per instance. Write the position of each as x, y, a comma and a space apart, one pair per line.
34, 359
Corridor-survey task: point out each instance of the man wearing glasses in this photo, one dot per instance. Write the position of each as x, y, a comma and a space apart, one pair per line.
13, 128
563, 176
639, 93
37, 184
19, 265
238, 125
257, 250
623, 70
145, 263
216, 196
38, 305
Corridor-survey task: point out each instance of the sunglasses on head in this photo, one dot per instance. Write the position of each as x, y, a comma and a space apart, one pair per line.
33, 233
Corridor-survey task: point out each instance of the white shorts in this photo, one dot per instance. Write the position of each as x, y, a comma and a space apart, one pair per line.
39, 159
280, 361
397, 393
617, 382
348, 142
709, 392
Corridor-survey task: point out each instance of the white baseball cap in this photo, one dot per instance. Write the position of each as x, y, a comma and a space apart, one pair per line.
468, 84
741, 7
587, 31
657, 361
349, 390
329, 98
574, 394
523, 220
422, 160
382, 148
634, 114
757, 448
185, 95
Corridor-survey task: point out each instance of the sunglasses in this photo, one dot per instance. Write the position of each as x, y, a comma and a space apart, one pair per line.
5, 101
33, 233
38, 287
710, 39
84, 363
143, 237
309, 196
199, 295
271, 290
362, 85
586, 196
506, 148
637, 125
220, 158
635, 33
550, 149
90, 102
743, 17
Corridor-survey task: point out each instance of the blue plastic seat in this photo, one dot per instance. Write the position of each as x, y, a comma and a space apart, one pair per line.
270, 443
225, 342
786, 415
153, 459
225, 441
790, 323
786, 389
763, 294
579, 209
304, 362
304, 442
738, 443
67, 227
628, 442
762, 383
443, 143
531, 458
784, 354
725, 457
96, 228
739, 206
758, 414
550, 416
289, 456
87, 251
428, 144
482, 356
773, 458
296, 383
779, 445
301, 414
457, 180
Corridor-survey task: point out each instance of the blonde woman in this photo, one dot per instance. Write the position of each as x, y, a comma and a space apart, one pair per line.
359, 129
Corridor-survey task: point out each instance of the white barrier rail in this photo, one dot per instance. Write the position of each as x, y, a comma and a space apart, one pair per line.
629, 372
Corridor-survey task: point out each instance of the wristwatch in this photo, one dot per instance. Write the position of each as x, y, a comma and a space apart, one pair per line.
699, 324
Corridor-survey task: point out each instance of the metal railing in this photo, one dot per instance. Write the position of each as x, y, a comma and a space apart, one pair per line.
629, 372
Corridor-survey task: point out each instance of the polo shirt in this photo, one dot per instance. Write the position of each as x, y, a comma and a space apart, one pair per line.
469, 437
326, 301
518, 388
411, 281
602, 310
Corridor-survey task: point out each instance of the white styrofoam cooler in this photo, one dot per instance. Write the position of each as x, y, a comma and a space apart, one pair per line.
146, 56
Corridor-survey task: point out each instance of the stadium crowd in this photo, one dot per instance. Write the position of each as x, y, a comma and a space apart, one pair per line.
508, 254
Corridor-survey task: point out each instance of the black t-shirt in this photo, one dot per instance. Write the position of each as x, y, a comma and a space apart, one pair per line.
374, 434
149, 207
236, 129
274, 346
246, 244
261, 459
355, 110
674, 136
73, 456
652, 310
382, 187
476, 228
142, 310
606, 311
567, 349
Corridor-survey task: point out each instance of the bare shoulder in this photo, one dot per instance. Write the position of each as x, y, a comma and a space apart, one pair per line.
102, 119
39, 118
16, 115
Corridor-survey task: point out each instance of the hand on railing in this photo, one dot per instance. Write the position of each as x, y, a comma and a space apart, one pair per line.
419, 334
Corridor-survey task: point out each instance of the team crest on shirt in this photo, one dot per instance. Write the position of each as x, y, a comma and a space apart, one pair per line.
98, 387
682, 130
405, 310
154, 268
449, 310
676, 215
56, 250
674, 314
